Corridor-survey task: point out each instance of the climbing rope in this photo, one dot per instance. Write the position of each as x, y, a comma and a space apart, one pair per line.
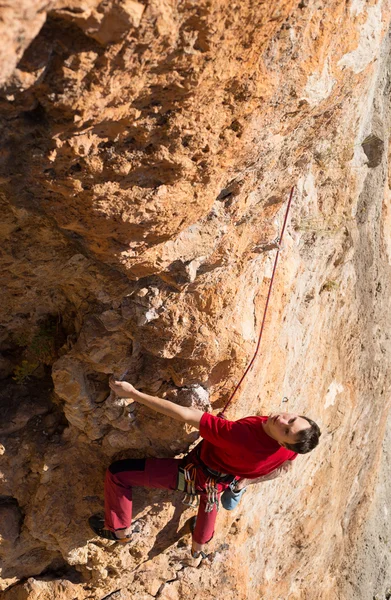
279, 241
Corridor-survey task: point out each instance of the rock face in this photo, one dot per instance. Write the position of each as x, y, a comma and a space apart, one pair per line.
147, 152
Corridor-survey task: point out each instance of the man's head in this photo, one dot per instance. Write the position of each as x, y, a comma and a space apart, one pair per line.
297, 433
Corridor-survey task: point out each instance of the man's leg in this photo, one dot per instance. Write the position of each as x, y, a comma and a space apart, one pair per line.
122, 475
205, 525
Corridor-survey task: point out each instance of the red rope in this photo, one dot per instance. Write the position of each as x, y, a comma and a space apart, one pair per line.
266, 305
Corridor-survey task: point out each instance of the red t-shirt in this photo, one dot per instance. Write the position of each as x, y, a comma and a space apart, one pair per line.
241, 447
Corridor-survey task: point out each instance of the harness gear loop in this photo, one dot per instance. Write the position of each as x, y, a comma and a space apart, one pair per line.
221, 413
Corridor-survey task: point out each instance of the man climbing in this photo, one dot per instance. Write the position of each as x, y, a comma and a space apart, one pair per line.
232, 453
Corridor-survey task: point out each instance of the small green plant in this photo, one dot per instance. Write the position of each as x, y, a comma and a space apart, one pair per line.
328, 158
39, 349
320, 226
23, 371
42, 346
329, 286
311, 225
21, 339
323, 157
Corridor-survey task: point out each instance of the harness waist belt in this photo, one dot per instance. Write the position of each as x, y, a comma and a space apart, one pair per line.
216, 474
213, 472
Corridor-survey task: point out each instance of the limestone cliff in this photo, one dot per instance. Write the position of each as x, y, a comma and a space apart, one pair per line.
147, 152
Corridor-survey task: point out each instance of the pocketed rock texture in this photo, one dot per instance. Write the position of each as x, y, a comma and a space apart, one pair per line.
147, 153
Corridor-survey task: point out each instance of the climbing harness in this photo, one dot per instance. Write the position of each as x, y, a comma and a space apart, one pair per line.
187, 476
187, 483
278, 245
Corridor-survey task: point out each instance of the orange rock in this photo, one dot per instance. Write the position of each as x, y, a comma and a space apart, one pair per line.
148, 149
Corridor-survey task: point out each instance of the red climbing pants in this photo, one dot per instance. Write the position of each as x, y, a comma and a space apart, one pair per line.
161, 473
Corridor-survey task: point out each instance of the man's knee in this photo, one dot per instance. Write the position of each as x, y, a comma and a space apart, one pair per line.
127, 464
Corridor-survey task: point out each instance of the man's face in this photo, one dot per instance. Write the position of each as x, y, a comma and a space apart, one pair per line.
284, 427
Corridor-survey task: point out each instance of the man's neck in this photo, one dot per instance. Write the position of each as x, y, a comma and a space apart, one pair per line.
266, 429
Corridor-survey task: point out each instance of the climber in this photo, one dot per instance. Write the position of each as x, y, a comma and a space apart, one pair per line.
232, 455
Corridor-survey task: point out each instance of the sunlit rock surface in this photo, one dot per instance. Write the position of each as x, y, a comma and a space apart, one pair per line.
147, 154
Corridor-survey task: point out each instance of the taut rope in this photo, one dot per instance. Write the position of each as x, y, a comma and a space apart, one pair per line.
279, 240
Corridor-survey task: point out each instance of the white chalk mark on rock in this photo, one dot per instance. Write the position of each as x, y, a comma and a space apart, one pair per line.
369, 43
335, 388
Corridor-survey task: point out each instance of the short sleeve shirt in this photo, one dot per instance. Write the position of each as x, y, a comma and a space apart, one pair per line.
241, 448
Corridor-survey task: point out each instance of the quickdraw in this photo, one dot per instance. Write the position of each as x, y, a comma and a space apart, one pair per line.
187, 484
212, 494
190, 497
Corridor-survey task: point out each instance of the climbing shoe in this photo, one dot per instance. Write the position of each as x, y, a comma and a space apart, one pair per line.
199, 554
97, 524
196, 553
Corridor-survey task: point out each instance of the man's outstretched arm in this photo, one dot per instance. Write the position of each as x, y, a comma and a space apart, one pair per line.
186, 414
284, 468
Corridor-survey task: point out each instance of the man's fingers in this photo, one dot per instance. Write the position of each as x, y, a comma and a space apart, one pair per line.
115, 385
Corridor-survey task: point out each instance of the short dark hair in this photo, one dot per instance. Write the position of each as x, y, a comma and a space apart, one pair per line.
308, 438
